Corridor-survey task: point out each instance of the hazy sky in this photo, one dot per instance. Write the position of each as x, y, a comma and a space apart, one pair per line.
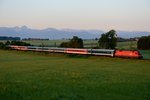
77, 14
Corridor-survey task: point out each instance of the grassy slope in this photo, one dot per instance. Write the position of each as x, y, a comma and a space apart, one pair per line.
34, 76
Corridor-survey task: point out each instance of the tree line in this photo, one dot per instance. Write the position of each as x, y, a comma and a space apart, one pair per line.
9, 38
19, 43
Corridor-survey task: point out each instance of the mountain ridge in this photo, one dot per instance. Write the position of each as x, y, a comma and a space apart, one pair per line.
53, 33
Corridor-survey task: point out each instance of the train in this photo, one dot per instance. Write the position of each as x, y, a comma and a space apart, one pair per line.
96, 52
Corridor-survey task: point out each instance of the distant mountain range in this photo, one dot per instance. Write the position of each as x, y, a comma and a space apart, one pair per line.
52, 33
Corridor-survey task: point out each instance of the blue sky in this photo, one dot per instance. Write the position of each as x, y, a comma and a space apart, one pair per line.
127, 15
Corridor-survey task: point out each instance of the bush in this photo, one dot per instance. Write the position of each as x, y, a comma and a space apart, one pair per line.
64, 44
75, 42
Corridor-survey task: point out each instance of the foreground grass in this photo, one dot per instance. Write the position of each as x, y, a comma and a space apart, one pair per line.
39, 76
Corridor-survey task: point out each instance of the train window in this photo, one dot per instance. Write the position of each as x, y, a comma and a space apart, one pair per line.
105, 52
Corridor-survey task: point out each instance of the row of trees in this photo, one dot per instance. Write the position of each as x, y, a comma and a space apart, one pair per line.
19, 43
10, 38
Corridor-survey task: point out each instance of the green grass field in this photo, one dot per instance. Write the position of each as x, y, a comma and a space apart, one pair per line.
46, 42
127, 45
40, 76
145, 53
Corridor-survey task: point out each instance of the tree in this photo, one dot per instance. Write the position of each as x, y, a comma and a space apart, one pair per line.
108, 40
64, 44
8, 43
144, 43
75, 42
2, 45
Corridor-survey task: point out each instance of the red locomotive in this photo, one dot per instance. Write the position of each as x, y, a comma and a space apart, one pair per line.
128, 53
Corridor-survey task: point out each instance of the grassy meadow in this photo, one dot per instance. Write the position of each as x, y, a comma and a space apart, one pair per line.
87, 43
52, 43
127, 45
41, 76
46, 42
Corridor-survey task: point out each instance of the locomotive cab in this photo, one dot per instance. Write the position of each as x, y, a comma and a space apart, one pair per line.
128, 54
